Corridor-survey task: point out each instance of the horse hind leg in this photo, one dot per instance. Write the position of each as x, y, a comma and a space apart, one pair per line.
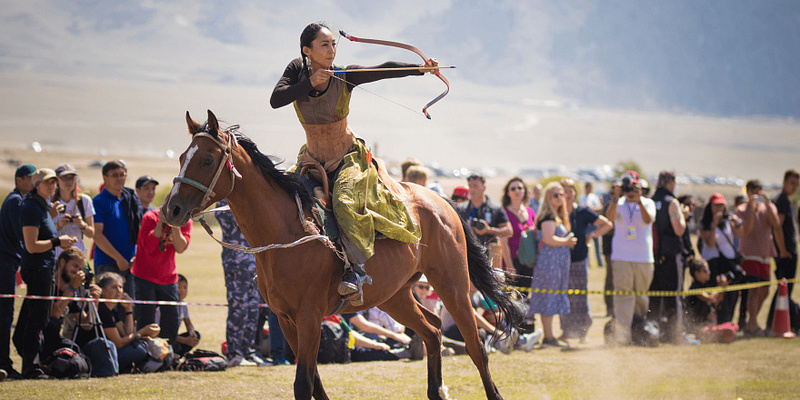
460, 308
407, 311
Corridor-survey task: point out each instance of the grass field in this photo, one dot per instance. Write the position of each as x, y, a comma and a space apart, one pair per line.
747, 369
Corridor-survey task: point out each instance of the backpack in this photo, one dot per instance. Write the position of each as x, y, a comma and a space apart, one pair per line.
66, 363
203, 360
160, 355
334, 343
529, 246
103, 355
102, 352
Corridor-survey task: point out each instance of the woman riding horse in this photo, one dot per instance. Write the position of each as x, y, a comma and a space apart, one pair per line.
360, 202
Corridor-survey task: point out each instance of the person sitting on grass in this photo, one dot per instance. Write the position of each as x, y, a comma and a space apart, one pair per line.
117, 321
187, 340
702, 308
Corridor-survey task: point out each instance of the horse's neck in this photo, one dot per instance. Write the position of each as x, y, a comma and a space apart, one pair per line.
266, 214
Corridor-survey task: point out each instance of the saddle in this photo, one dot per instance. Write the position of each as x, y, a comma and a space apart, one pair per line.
315, 177
316, 181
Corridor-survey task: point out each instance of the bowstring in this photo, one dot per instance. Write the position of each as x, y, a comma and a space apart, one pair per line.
339, 41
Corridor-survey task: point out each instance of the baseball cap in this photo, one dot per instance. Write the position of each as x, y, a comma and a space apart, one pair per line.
66, 169
144, 180
25, 170
717, 198
461, 191
43, 175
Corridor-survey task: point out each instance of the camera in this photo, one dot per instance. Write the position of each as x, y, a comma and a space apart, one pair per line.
477, 223
88, 276
626, 184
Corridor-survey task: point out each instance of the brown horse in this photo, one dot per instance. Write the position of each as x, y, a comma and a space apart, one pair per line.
300, 283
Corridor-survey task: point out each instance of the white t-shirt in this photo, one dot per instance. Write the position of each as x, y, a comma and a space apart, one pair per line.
72, 228
633, 239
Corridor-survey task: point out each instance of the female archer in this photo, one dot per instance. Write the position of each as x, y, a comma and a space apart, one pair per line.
321, 98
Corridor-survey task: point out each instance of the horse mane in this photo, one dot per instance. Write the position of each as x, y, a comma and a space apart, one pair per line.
290, 182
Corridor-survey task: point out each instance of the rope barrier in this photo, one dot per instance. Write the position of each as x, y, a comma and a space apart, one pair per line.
656, 293
151, 302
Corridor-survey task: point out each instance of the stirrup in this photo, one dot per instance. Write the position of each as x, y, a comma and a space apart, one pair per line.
351, 287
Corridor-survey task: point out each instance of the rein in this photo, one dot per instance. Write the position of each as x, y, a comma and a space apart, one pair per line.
209, 192
252, 250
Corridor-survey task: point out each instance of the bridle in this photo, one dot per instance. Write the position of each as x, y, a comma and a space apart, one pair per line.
227, 148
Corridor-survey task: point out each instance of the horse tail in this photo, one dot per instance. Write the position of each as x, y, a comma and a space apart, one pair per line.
482, 276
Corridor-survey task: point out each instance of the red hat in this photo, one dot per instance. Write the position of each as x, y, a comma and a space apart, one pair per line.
461, 191
717, 198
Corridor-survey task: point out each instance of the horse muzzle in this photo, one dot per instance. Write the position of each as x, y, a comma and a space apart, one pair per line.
175, 212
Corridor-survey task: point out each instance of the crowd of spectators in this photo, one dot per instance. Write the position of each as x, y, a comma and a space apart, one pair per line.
647, 246
43, 224
643, 242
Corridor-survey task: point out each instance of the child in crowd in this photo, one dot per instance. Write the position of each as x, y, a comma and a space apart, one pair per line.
190, 338
701, 308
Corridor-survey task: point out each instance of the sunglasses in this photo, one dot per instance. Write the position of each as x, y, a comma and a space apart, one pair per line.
557, 195
515, 188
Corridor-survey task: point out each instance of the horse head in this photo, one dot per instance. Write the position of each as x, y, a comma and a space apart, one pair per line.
201, 181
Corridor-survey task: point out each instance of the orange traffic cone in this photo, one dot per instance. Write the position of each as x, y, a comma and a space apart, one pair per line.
780, 322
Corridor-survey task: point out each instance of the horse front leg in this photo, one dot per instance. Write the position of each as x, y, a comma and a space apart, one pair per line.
307, 382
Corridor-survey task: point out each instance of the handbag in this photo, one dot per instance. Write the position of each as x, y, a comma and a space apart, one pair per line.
529, 246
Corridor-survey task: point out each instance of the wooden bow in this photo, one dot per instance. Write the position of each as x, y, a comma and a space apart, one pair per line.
409, 47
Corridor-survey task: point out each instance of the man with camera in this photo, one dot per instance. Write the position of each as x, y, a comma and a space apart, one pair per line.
761, 225
631, 254
670, 225
488, 220
72, 279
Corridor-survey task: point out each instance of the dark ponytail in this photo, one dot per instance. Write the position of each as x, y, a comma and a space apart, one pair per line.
309, 34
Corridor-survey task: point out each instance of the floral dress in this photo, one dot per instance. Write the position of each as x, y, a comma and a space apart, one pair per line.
551, 273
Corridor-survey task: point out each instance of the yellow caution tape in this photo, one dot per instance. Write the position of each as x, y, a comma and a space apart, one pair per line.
656, 293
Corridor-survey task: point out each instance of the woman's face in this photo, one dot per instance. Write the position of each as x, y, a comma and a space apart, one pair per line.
516, 191
67, 183
556, 198
717, 208
47, 188
422, 289
112, 291
322, 50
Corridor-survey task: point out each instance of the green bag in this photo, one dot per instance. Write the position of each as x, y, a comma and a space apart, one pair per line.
529, 245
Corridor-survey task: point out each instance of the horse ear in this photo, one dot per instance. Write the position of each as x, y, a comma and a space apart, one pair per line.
193, 126
213, 125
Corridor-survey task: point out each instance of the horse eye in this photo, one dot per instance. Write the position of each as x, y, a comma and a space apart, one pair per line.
207, 161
